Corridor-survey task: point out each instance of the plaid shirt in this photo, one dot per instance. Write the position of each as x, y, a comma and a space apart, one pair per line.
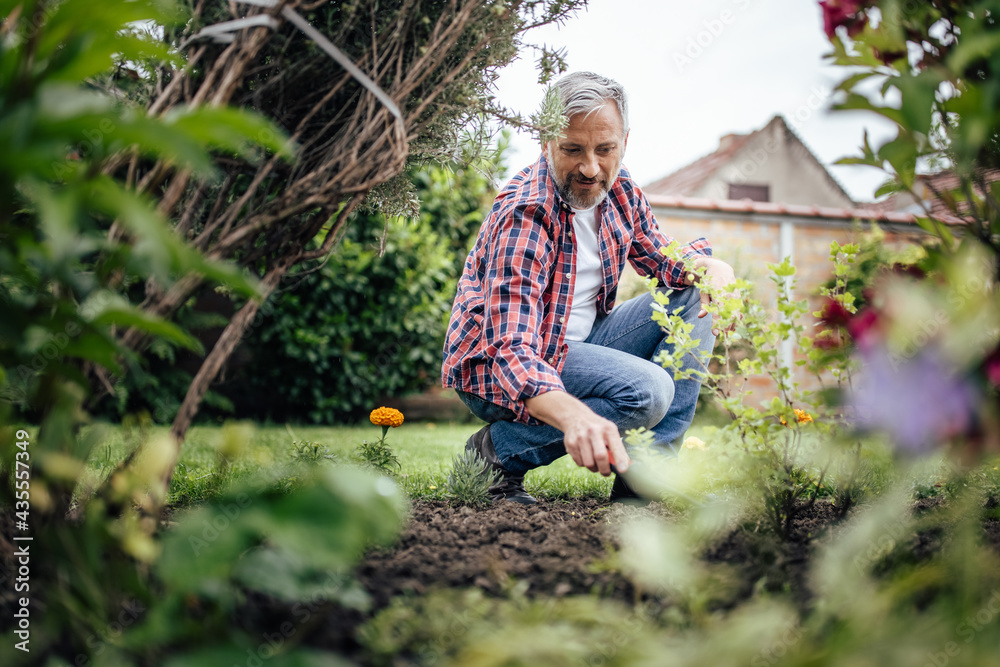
506, 338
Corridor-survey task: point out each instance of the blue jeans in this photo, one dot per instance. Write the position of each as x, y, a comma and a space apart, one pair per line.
612, 372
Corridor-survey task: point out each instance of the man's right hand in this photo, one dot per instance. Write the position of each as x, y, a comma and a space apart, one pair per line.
590, 439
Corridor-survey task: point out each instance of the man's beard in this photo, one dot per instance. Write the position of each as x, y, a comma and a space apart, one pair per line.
576, 201
565, 187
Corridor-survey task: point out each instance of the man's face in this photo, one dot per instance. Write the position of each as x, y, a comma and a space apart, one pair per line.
585, 161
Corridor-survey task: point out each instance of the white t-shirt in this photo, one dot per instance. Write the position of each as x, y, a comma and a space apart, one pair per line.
589, 274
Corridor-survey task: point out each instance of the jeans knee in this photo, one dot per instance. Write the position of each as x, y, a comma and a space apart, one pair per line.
656, 393
702, 332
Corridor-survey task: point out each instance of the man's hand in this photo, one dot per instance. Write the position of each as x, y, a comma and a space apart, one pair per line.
719, 276
590, 439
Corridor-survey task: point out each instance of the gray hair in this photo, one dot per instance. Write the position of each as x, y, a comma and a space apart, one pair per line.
586, 92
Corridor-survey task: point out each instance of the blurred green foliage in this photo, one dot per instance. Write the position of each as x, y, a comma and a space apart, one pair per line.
95, 558
292, 545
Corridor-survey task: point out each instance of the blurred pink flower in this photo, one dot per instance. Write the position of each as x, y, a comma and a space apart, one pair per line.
838, 13
992, 368
865, 328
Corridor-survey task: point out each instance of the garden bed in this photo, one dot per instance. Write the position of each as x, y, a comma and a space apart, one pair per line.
555, 549
550, 550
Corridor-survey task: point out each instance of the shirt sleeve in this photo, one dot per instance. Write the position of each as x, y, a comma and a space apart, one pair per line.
646, 253
516, 273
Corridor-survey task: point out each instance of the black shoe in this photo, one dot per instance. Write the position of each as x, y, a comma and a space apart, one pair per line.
508, 485
621, 492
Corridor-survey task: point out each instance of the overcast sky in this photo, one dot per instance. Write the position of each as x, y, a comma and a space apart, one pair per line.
695, 71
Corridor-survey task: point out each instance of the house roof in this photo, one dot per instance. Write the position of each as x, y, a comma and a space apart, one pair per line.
934, 184
686, 180
796, 210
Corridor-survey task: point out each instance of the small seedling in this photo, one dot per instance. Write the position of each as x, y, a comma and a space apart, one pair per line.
467, 483
379, 456
304, 451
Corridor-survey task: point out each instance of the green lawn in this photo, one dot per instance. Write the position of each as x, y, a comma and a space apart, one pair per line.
425, 452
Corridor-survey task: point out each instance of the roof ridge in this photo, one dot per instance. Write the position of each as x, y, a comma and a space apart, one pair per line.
686, 179
737, 142
812, 154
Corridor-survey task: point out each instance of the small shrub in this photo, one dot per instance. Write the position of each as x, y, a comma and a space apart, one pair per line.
467, 483
378, 456
304, 451
784, 447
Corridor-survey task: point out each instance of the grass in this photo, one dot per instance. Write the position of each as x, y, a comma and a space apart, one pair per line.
425, 452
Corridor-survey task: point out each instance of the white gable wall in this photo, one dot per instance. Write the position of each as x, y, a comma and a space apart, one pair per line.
775, 157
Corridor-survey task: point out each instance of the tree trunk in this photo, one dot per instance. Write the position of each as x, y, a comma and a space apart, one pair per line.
224, 347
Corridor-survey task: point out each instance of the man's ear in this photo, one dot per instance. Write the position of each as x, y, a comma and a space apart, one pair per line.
625, 143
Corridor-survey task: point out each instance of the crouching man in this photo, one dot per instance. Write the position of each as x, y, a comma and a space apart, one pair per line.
536, 346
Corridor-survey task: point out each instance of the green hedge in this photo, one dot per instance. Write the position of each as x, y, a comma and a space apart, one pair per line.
362, 326
338, 336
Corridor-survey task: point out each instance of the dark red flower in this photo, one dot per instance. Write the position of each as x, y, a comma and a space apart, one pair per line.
991, 365
838, 13
826, 343
864, 327
910, 270
834, 314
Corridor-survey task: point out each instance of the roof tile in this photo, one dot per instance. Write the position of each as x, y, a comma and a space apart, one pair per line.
798, 210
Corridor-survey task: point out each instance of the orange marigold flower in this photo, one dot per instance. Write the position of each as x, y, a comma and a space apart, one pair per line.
801, 416
386, 417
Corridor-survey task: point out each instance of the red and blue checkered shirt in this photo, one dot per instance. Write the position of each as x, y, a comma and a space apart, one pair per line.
506, 338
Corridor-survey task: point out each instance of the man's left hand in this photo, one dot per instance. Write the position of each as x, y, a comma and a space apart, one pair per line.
719, 277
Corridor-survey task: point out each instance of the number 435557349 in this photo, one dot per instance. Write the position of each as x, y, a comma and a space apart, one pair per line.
23, 474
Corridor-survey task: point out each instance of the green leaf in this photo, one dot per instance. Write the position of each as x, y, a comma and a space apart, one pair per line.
133, 317
266, 651
856, 101
158, 247
918, 95
326, 522
891, 186
972, 47
233, 129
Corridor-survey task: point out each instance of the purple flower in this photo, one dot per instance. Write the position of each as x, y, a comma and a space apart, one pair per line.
920, 401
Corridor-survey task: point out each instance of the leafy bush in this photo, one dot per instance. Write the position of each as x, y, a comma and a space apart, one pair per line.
370, 322
366, 324
361, 327
292, 545
783, 445
64, 287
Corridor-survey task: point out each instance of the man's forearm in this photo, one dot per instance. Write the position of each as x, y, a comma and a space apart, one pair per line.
591, 440
556, 408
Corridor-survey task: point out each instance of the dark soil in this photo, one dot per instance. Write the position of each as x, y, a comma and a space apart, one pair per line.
761, 560
550, 546
553, 549
556, 549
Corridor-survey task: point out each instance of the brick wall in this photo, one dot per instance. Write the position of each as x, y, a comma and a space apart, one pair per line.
749, 241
